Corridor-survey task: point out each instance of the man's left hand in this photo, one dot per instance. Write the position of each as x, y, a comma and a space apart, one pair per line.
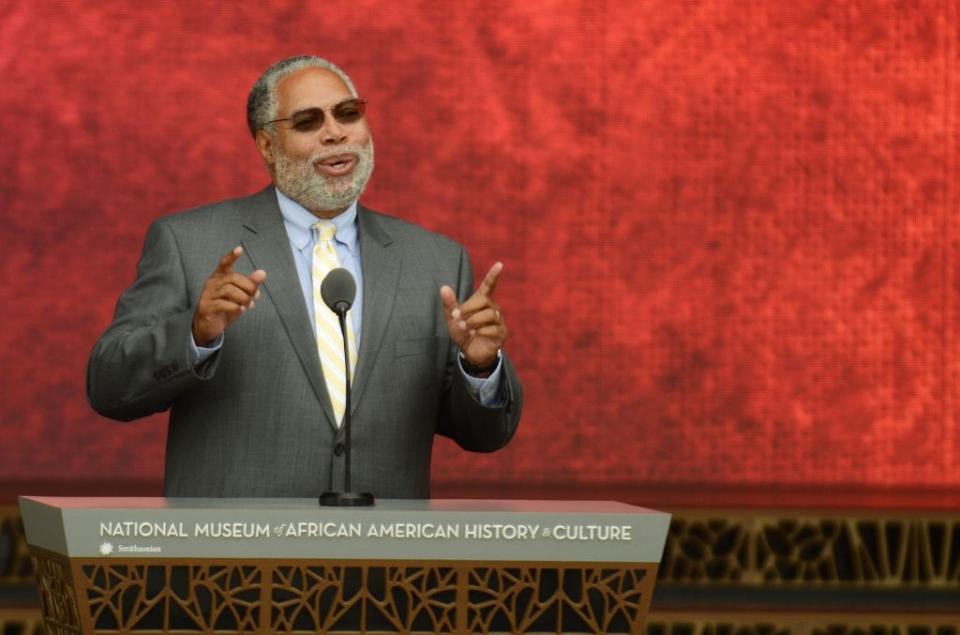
477, 325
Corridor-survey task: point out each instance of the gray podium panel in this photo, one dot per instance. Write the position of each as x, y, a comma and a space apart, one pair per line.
393, 529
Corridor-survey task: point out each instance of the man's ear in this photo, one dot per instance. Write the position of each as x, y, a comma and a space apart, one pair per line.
265, 147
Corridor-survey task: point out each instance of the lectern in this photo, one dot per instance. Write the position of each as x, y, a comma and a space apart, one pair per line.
155, 565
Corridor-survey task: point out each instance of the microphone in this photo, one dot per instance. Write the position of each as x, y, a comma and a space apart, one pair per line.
338, 291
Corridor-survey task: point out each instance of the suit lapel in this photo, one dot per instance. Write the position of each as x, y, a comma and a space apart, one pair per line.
268, 247
380, 260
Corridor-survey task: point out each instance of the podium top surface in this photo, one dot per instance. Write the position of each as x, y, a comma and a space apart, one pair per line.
389, 504
437, 529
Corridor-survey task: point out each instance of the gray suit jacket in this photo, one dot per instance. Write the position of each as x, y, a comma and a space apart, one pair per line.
255, 419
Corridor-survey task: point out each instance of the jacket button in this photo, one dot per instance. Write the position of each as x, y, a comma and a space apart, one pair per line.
339, 449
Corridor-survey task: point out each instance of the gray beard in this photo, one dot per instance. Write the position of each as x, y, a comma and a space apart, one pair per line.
300, 181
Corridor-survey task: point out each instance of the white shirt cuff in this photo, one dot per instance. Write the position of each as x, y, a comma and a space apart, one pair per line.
486, 390
200, 354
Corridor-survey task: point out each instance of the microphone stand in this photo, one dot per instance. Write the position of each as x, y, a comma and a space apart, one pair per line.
347, 498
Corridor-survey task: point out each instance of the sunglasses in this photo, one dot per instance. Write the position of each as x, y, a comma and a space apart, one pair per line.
310, 119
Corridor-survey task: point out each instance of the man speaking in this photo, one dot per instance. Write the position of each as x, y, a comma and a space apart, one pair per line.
225, 326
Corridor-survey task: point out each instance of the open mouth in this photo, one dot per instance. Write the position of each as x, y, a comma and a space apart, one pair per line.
337, 165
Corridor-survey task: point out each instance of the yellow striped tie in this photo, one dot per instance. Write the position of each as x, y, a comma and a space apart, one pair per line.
329, 339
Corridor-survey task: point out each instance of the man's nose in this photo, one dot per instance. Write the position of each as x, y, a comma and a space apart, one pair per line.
333, 131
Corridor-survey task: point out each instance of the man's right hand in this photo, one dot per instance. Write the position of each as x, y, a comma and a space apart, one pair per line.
226, 296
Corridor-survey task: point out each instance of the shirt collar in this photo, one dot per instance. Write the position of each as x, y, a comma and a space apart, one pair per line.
299, 221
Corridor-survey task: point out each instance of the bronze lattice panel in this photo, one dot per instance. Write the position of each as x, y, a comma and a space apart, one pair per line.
333, 598
203, 597
355, 596
511, 599
58, 601
812, 551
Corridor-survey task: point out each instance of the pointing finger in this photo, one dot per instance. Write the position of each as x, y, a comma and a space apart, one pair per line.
226, 263
490, 280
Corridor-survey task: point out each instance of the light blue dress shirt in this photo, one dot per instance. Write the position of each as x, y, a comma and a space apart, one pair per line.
299, 225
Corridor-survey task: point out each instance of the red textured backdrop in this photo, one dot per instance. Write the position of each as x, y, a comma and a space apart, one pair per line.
730, 228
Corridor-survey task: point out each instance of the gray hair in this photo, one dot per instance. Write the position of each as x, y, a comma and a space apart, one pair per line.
262, 100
